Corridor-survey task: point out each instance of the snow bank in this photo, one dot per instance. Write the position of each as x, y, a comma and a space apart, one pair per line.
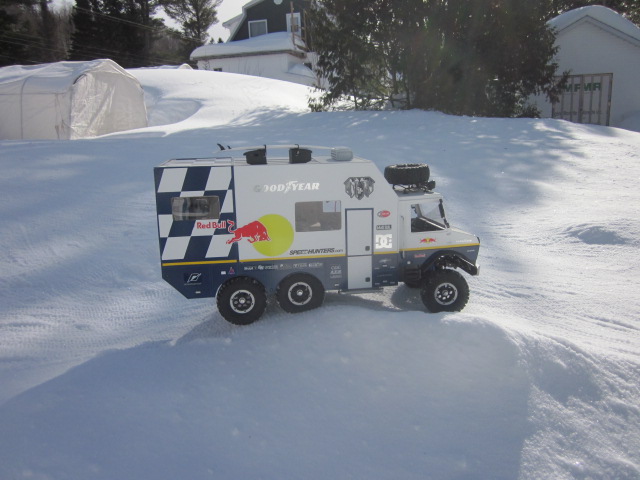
213, 98
632, 122
106, 372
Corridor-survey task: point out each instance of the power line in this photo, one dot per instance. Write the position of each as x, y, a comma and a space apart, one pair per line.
162, 29
92, 51
39, 44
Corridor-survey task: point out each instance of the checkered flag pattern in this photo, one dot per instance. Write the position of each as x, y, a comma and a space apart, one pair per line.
191, 240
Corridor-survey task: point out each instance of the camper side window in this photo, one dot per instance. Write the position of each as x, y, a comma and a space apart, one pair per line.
195, 208
318, 216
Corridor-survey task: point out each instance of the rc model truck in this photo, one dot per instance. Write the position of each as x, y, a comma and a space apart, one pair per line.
242, 225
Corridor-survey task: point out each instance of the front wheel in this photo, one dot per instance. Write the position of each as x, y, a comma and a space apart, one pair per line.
241, 300
445, 291
300, 292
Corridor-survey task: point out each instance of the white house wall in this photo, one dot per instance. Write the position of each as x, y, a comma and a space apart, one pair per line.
274, 66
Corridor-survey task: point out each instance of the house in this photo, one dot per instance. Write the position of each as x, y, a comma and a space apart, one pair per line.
601, 51
266, 40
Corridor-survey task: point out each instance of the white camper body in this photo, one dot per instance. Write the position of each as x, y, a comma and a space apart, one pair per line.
297, 226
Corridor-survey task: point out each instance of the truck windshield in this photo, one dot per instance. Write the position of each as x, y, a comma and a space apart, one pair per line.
428, 217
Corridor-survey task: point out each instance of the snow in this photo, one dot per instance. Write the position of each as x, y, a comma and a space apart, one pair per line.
631, 122
599, 13
106, 372
269, 43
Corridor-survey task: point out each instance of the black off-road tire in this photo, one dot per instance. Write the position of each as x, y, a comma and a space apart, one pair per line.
445, 291
407, 174
241, 300
300, 292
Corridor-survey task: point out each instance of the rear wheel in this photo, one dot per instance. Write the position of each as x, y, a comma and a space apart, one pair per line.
241, 300
300, 292
445, 291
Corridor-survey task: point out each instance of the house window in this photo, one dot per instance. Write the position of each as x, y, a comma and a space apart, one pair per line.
293, 22
257, 28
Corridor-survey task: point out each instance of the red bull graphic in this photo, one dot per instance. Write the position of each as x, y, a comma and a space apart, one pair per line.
270, 235
428, 240
253, 232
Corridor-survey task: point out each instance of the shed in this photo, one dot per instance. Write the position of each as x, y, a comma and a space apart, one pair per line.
69, 100
601, 50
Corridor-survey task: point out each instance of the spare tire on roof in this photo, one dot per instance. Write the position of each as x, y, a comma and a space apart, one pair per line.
407, 174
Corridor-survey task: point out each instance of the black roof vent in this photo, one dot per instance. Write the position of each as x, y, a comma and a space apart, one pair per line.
299, 155
256, 157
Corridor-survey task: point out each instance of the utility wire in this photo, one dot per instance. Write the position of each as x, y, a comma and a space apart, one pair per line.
31, 41
139, 25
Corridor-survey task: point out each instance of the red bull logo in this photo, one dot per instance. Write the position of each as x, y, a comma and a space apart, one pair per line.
428, 240
271, 235
253, 232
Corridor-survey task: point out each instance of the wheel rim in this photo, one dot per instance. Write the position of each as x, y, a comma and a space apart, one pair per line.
242, 301
445, 293
300, 293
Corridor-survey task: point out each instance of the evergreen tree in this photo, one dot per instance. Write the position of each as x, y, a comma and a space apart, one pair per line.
48, 32
12, 30
195, 17
473, 57
122, 30
348, 64
31, 33
86, 37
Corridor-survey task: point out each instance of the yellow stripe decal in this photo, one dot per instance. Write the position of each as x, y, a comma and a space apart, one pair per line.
311, 257
441, 246
177, 264
279, 259
275, 259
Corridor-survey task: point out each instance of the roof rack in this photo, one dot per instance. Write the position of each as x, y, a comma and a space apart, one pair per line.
426, 187
257, 154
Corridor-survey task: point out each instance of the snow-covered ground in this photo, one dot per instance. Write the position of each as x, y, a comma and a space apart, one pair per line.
108, 373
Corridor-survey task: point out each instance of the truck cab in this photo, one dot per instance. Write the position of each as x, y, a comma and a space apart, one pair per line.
426, 232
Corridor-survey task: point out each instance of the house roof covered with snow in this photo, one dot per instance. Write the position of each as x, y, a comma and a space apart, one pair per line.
279, 42
601, 16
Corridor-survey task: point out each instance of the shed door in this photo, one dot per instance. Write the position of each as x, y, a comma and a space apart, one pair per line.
359, 248
586, 99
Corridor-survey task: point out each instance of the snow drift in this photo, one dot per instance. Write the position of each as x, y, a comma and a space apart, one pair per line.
107, 372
